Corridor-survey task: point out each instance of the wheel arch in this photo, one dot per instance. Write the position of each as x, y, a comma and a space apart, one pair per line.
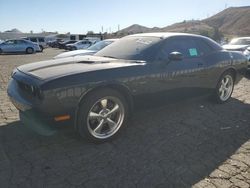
232, 70
122, 89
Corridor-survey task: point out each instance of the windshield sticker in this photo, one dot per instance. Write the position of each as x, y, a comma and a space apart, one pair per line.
143, 41
193, 52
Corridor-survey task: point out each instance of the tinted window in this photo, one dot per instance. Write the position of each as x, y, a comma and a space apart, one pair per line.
33, 39
19, 42
189, 47
41, 39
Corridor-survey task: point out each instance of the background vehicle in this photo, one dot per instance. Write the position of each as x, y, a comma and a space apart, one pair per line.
97, 92
247, 54
82, 44
62, 45
39, 40
19, 45
89, 51
55, 43
238, 44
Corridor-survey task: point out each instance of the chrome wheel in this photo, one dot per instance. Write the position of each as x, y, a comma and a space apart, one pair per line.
105, 117
226, 87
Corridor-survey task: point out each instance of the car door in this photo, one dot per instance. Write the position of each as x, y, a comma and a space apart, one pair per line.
187, 75
20, 46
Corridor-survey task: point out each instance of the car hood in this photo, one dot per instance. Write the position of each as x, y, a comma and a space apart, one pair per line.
234, 47
74, 53
56, 68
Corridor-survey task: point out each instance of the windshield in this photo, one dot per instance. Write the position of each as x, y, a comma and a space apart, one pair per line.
132, 48
99, 45
240, 41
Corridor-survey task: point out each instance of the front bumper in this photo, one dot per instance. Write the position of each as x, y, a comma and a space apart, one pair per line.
29, 114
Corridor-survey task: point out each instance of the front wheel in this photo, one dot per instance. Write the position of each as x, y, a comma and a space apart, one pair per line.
224, 88
102, 115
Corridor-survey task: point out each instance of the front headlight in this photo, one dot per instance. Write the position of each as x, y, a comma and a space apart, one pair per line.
13, 72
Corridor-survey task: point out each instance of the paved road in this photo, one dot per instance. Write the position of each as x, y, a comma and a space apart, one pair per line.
189, 143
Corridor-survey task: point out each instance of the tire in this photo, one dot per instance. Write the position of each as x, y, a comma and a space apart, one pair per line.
102, 115
29, 50
224, 88
1, 51
41, 47
73, 48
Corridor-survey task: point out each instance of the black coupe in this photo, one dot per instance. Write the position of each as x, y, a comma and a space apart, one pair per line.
98, 92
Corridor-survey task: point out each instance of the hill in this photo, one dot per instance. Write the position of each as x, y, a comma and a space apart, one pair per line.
231, 21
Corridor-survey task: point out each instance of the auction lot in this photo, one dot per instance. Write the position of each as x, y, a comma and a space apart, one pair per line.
182, 144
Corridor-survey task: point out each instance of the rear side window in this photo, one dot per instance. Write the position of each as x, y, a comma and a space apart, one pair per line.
41, 39
33, 39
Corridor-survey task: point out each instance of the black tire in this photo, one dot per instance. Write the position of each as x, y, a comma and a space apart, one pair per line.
1, 51
86, 126
73, 48
41, 47
218, 95
29, 50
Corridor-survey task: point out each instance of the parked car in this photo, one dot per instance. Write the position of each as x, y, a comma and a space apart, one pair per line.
55, 43
39, 40
82, 44
62, 45
98, 92
89, 51
247, 54
238, 44
19, 45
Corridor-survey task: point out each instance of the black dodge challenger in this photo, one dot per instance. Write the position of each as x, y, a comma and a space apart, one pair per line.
98, 92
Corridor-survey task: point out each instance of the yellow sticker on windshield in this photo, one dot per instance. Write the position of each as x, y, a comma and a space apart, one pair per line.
193, 52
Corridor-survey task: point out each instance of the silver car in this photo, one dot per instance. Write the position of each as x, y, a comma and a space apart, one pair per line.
89, 51
19, 45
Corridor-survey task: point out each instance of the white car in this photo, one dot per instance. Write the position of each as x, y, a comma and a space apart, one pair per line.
90, 51
39, 40
82, 44
238, 44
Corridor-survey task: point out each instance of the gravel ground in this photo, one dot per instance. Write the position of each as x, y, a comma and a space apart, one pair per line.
192, 143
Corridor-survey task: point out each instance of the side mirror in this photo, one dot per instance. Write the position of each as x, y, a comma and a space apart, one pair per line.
175, 56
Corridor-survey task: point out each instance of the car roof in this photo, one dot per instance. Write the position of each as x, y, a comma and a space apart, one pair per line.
163, 34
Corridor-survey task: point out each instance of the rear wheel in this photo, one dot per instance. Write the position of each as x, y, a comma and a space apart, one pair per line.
224, 87
102, 115
29, 50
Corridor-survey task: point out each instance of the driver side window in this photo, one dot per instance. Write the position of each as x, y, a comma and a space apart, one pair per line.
186, 46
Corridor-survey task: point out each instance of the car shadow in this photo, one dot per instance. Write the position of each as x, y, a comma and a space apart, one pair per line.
17, 53
174, 145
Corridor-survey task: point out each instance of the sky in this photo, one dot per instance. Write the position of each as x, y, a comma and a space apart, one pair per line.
80, 16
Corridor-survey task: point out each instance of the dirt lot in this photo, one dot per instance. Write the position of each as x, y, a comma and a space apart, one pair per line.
183, 144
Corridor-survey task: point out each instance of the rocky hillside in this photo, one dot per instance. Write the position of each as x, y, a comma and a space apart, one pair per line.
231, 21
